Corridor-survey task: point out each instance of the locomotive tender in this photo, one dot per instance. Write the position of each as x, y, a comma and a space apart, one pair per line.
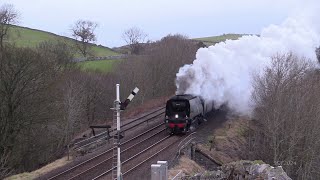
184, 110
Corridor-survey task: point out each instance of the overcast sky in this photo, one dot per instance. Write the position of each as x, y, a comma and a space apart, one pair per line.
194, 18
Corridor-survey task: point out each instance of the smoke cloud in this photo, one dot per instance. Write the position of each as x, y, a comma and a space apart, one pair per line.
223, 72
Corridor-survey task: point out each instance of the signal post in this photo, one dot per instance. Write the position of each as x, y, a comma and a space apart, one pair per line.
118, 107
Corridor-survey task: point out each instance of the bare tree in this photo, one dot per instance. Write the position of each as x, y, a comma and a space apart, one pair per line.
73, 103
175, 50
318, 53
60, 53
83, 32
25, 79
134, 37
4, 169
154, 73
8, 16
287, 113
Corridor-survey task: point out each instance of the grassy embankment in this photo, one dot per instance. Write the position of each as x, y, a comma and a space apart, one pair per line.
26, 37
102, 66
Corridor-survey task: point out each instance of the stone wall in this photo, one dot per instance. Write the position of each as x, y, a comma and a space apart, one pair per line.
81, 59
243, 170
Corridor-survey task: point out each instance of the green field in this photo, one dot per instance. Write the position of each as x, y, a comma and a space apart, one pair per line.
26, 37
102, 66
216, 39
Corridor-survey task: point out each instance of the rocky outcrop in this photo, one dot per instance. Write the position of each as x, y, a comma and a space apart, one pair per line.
243, 170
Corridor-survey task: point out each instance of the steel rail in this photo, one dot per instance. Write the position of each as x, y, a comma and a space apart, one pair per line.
77, 175
85, 145
109, 150
149, 158
132, 157
134, 120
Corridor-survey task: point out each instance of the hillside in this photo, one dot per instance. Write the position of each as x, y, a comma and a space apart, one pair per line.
216, 39
102, 66
27, 37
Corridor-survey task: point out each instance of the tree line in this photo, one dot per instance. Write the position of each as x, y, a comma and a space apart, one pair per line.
46, 100
83, 32
286, 118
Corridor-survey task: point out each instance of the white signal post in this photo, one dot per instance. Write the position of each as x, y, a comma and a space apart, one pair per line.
121, 106
118, 131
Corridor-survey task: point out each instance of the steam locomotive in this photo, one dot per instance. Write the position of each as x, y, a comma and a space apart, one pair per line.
184, 110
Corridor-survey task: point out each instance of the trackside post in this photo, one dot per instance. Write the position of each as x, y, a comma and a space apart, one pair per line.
118, 107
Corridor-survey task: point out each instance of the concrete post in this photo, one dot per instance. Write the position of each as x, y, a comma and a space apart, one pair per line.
156, 172
164, 169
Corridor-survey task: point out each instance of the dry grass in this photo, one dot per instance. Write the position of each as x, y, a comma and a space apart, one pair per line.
229, 142
34, 174
229, 145
187, 166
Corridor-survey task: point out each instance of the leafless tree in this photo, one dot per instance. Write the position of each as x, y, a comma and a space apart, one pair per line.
155, 71
60, 53
134, 37
25, 79
83, 32
8, 17
93, 91
4, 169
74, 104
33, 107
166, 57
318, 53
287, 114
44, 104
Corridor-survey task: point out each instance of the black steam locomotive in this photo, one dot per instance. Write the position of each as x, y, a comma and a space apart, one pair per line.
184, 110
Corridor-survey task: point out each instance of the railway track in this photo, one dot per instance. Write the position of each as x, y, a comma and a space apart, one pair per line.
137, 152
126, 152
140, 169
126, 127
104, 159
145, 155
127, 164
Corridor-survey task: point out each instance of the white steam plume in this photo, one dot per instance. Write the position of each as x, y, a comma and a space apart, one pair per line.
223, 72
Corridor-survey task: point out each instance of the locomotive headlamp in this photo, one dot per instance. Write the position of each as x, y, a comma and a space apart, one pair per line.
176, 116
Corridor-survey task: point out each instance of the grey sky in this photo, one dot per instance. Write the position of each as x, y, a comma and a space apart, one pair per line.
194, 18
